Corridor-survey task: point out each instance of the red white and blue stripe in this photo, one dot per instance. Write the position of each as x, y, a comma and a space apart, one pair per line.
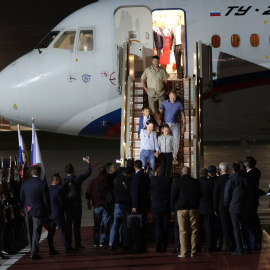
215, 13
36, 154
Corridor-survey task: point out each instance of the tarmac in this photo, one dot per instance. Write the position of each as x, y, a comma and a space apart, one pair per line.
57, 150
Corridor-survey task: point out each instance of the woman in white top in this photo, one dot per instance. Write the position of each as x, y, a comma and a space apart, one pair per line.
149, 147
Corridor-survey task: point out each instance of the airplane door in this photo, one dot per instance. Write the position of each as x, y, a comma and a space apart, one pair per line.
134, 25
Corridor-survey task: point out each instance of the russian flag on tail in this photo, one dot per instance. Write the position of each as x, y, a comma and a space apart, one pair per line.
36, 154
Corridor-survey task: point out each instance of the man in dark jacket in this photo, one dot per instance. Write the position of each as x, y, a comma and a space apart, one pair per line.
254, 175
206, 210
96, 192
122, 208
72, 193
187, 193
219, 208
36, 205
161, 194
141, 201
57, 218
236, 198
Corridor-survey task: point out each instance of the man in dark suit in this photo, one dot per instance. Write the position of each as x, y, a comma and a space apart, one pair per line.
36, 204
178, 45
219, 208
161, 195
236, 199
254, 175
72, 193
140, 199
206, 209
57, 217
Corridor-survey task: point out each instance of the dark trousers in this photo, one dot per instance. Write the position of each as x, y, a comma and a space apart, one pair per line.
141, 233
176, 231
34, 228
227, 229
74, 217
217, 234
254, 227
161, 228
205, 229
166, 163
61, 224
240, 228
179, 53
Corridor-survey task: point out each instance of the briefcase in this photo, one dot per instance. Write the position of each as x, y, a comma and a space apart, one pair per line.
134, 221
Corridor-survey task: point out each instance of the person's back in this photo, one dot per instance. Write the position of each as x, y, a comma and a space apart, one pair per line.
140, 190
161, 192
34, 195
206, 202
219, 191
237, 187
122, 186
189, 193
57, 202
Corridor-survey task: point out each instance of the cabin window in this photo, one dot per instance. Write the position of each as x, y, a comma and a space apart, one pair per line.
45, 42
215, 41
86, 40
66, 41
254, 40
235, 40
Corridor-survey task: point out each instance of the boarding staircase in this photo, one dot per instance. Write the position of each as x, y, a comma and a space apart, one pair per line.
134, 98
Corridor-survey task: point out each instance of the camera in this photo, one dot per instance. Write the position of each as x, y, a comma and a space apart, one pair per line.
118, 161
84, 159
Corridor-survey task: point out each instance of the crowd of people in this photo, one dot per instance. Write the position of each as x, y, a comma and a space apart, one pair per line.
214, 209
210, 212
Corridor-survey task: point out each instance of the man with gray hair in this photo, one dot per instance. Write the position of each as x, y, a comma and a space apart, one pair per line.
36, 205
219, 208
186, 196
173, 112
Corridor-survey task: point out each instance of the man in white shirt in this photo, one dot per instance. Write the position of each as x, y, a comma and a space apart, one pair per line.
178, 43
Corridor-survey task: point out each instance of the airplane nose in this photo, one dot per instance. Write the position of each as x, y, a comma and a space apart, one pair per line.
11, 101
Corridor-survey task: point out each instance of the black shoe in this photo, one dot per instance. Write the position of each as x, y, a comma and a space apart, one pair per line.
2, 256
125, 248
9, 252
112, 247
54, 252
140, 250
80, 247
247, 251
176, 250
70, 251
236, 252
36, 257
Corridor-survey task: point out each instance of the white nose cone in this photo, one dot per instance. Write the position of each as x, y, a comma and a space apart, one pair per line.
11, 102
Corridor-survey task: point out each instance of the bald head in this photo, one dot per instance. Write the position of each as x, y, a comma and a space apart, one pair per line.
186, 170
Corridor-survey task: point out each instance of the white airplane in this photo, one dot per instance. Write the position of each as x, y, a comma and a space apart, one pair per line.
68, 83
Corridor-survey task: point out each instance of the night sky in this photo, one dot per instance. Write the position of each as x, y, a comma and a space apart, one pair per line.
23, 23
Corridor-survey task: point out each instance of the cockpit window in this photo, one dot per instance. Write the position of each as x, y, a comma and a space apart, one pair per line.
66, 41
45, 42
86, 40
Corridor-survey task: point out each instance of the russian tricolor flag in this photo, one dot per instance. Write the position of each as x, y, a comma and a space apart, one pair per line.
215, 13
36, 154
21, 145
